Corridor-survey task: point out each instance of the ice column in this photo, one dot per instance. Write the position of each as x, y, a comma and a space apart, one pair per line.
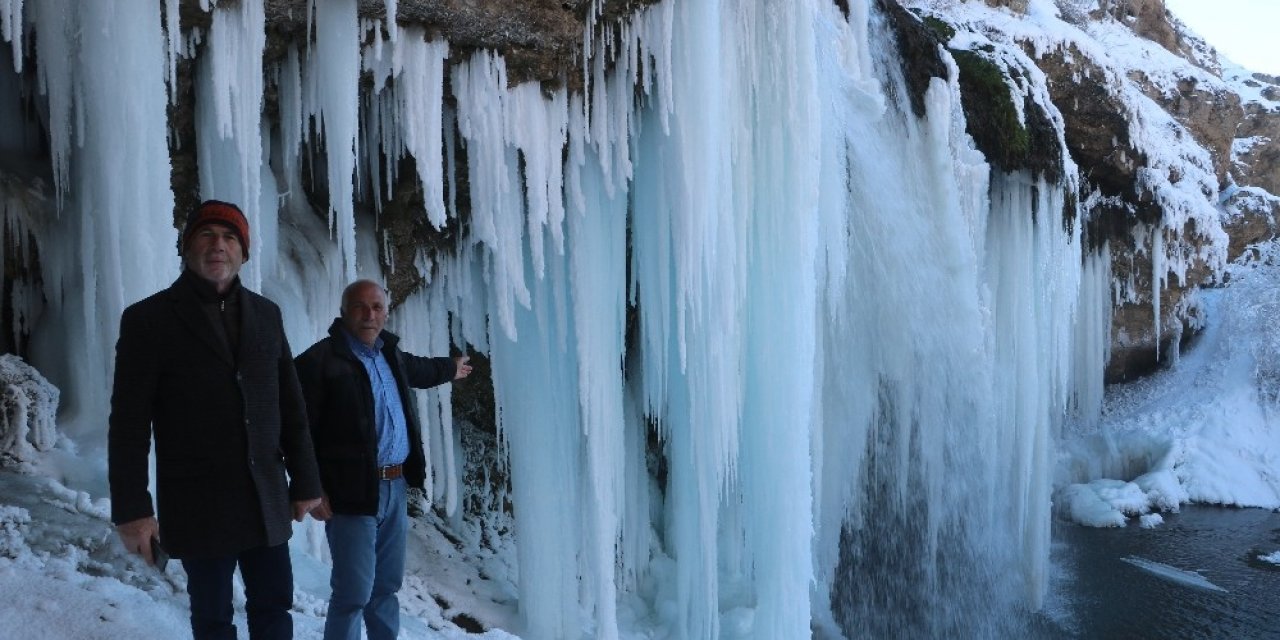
102, 65
1093, 336
419, 95
229, 127
688, 246
781, 200
334, 71
422, 322
532, 338
597, 223
497, 217
551, 242
536, 390
1034, 279
725, 261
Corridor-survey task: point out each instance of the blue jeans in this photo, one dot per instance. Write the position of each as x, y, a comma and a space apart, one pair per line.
268, 590
368, 567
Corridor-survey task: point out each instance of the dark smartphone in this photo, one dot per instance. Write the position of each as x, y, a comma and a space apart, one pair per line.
160, 555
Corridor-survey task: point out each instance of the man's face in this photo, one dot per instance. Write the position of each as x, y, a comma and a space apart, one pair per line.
214, 253
365, 313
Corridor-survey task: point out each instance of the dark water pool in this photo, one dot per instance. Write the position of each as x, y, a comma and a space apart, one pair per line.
1099, 594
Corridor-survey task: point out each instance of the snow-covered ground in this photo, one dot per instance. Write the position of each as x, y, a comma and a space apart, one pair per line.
1205, 430
65, 576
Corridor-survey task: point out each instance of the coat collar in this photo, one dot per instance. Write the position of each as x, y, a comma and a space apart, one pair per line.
187, 300
339, 335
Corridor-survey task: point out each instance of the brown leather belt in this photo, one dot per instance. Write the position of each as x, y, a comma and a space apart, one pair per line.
390, 472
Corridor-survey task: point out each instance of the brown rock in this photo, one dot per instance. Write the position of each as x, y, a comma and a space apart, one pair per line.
1257, 220
1017, 6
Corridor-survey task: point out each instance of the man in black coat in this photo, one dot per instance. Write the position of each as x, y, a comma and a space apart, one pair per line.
204, 368
369, 446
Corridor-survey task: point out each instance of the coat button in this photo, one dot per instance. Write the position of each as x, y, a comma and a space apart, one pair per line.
251, 461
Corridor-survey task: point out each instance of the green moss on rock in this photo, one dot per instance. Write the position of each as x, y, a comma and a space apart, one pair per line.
940, 28
992, 117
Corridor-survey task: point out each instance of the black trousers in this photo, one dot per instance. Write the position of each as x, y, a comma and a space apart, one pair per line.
268, 590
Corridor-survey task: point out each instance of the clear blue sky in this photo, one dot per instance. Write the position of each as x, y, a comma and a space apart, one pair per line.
1243, 31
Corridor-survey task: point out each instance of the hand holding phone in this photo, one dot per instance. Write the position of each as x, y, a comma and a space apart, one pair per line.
159, 556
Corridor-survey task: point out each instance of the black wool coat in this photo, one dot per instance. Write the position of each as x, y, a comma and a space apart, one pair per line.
232, 445
339, 398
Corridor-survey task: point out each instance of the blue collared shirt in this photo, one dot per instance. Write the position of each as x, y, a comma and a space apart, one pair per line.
388, 412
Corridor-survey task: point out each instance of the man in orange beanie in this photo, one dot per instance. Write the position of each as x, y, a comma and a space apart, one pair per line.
204, 369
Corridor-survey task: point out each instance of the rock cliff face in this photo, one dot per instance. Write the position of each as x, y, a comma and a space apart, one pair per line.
1226, 134
1217, 117
1256, 163
540, 39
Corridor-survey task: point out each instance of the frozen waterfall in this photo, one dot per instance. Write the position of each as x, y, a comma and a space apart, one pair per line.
848, 341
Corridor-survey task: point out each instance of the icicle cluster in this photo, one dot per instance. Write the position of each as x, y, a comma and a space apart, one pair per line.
102, 73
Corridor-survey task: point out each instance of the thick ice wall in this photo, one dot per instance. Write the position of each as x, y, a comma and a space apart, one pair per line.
907, 394
839, 311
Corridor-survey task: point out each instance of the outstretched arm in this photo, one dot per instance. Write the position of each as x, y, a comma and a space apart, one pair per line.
424, 373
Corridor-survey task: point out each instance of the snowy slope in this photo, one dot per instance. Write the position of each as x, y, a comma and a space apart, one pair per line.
1205, 430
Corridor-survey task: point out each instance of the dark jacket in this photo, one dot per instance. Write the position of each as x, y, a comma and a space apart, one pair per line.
339, 400
227, 429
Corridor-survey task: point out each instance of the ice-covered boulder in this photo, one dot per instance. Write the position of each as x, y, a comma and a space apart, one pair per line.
28, 410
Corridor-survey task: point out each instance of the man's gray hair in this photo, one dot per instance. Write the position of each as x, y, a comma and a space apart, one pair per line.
358, 284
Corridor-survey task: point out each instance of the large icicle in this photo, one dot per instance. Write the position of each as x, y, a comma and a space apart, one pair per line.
422, 322
497, 216
689, 244
334, 71
596, 238
536, 390
229, 127
1034, 272
419, 95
